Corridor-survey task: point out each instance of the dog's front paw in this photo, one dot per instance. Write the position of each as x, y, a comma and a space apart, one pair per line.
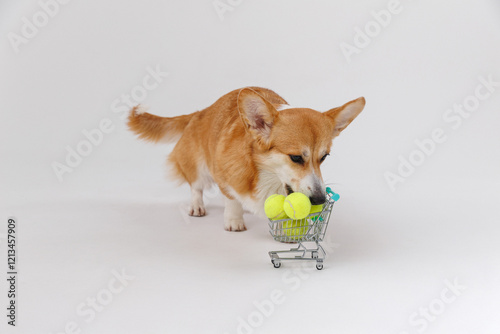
234, 225
197, 210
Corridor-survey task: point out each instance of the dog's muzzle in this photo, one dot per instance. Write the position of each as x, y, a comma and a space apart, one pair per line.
318, 198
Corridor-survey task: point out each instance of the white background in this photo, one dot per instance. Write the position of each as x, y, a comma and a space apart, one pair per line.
391, 252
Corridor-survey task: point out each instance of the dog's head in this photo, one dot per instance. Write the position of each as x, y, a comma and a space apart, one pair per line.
291, 144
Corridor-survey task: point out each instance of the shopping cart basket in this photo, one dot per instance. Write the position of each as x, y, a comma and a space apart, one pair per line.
310, 229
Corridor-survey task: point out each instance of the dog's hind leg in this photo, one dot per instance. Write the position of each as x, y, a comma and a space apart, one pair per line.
233, 216
197, 207
203, 181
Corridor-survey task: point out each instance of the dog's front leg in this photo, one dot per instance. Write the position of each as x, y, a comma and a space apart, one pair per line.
233, 216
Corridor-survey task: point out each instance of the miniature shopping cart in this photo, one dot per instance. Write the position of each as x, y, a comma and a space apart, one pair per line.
310, 229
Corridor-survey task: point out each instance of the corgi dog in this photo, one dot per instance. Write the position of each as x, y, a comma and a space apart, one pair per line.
250, 143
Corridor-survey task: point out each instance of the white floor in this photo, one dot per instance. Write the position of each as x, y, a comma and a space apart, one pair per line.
389, 261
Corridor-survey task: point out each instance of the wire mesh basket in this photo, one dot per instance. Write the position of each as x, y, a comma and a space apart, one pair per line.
310, 229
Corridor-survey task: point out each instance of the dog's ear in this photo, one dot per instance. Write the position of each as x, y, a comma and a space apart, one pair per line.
344, 115
257, 113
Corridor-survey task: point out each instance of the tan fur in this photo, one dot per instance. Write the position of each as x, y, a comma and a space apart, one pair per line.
238, 136
156, 128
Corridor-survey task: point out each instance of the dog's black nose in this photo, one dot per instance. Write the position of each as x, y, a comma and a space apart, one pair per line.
317, 199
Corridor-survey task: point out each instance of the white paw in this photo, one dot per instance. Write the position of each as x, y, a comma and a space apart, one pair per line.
197, 210
235, 225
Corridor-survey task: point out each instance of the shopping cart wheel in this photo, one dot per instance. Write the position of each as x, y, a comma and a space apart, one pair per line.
319, 266
276, 264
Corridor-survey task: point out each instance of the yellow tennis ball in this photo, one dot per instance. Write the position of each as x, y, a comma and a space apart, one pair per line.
297, 206
295, 228
316, 208
273, 207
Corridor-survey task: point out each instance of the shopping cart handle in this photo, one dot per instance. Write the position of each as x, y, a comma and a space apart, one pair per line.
333, 195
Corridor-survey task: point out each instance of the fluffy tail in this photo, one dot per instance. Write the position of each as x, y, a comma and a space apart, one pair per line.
156, 128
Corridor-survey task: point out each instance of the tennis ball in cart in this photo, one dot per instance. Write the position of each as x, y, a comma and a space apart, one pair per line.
295, 228
316, 209
273, 207
297, 206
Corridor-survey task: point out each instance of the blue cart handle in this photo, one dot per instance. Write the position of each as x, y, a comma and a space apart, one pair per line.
333, 195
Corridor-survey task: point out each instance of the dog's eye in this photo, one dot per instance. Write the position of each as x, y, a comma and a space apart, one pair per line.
324, 157
297, 159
